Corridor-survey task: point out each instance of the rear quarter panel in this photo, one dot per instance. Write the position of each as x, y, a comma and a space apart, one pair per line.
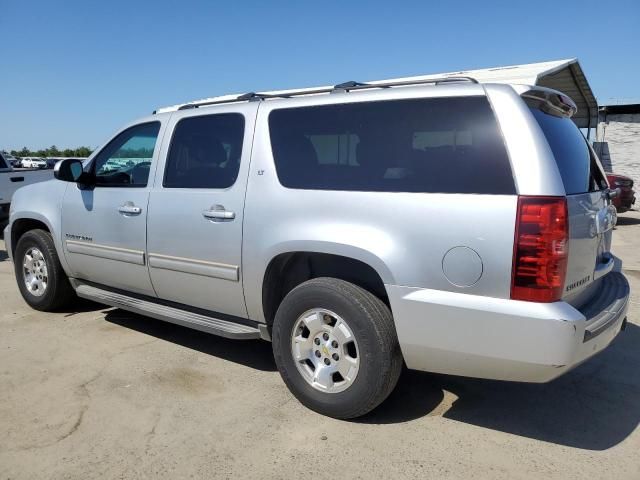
403, 236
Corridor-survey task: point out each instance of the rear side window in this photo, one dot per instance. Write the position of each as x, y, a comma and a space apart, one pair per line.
447, 145
205, 152
578, 167
3, 164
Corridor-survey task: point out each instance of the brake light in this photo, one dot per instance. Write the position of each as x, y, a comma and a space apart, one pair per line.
540, 250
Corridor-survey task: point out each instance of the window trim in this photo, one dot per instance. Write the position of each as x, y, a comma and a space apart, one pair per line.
170, 145
92, 166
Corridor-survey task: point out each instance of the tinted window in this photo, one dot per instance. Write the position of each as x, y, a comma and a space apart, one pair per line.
126, 160
578, 167
3, 164
449, 145
205, 152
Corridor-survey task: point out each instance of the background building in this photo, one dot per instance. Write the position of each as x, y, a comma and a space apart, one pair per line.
618, 139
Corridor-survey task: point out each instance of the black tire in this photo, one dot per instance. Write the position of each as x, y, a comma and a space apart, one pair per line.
370, 320
58, 292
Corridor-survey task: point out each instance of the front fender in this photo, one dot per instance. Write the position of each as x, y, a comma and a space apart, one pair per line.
41, 202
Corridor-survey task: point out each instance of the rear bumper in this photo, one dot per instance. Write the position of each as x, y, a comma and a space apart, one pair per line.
4, 211
7, 240
502, 339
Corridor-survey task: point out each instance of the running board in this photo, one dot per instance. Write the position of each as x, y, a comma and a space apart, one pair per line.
204, 323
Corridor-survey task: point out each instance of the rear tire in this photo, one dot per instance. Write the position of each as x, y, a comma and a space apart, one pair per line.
41, 279
326, 323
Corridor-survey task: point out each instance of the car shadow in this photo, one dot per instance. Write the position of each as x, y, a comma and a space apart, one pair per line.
256, 354
594, 407
623, 221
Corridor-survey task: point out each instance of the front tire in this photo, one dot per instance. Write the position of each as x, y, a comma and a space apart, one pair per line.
41, 279
336, 347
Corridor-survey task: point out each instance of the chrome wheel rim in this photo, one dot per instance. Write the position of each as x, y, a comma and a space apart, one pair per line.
36, 276
325, 350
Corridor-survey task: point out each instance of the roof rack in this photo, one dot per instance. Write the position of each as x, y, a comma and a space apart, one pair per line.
339, 88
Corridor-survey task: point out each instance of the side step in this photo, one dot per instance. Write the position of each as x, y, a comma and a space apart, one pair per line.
204, 323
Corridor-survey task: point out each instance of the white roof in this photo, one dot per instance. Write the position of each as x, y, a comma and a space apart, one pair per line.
563, 75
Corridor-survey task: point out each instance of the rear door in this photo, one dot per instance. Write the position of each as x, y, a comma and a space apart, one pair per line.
591, 215
196, 209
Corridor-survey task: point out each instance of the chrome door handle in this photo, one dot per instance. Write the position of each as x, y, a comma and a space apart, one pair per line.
218, 212
129, 209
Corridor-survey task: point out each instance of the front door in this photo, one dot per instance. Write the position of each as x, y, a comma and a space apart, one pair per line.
104, 227
196, 209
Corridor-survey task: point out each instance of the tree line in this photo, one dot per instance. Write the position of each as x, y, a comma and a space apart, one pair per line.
53, 151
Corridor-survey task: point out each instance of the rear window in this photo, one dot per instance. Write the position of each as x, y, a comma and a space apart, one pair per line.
578, 167
446, 145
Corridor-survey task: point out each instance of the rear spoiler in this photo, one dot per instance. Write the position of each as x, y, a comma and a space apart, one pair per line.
548, 100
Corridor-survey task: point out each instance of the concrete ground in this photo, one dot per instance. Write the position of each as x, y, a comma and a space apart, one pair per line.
101, 393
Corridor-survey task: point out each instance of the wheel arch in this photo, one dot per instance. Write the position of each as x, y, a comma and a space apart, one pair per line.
31, 221
288, 269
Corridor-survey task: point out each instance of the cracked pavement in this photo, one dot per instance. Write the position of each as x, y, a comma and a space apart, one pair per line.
97, 392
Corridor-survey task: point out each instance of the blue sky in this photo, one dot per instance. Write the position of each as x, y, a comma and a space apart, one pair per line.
75, 71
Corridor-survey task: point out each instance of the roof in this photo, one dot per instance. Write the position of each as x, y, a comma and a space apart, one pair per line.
628, 108
563, 75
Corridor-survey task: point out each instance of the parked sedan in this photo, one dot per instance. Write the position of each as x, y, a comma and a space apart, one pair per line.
626, 199
33, 162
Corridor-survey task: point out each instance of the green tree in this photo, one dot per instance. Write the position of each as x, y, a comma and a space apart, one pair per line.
83, 151
25, 152
53, 151
67, 152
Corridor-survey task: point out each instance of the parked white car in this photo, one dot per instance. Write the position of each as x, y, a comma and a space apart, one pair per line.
33, 162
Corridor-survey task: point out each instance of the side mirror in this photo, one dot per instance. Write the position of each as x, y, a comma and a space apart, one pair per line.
69, 170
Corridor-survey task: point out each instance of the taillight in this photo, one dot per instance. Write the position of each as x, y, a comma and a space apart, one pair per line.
541, 249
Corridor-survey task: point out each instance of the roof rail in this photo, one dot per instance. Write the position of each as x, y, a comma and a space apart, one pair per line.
339, 88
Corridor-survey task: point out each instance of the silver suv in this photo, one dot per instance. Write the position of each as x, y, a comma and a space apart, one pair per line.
455, 227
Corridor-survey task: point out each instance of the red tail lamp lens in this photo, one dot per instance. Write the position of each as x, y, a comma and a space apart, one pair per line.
540, 250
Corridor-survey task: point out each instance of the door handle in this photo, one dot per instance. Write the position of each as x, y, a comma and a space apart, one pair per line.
17, 179
218, 212
129, 209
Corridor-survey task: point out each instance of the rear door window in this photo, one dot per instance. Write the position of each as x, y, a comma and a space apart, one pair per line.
578, 166
205, 152
447, 145
3, 164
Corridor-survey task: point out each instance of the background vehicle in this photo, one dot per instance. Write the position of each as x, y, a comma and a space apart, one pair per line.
10, 159
51, 162
5, 166
33, 162
627, 197
11, 180
329, 222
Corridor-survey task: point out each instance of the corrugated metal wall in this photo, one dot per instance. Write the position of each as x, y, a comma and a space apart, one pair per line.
618, 144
